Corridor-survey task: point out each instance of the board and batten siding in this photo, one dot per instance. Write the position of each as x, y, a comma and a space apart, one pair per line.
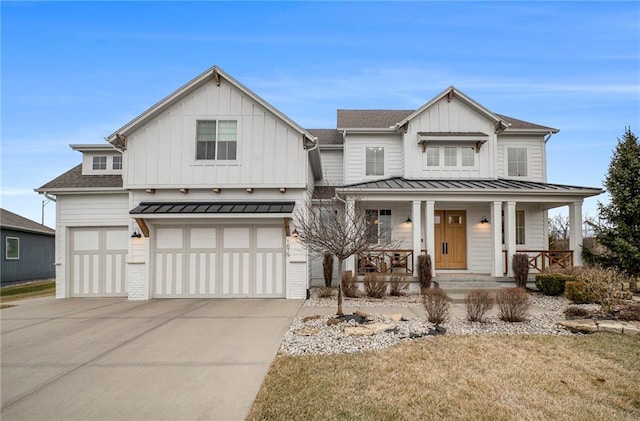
445, 116
162, 152
536, 165
332, 167
84, 210
354, 156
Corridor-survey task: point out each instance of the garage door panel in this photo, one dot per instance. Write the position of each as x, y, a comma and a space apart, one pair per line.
97, 257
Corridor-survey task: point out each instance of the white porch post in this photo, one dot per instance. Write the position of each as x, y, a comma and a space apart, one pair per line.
417, 235
575, 231
350, 212
430, 238
510, 233
496, 239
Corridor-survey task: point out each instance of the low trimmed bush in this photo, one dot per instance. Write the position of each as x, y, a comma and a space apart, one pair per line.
436, 303
398, 284
349, 284
375, 286
478, 302
576, 292
513, 304
552, 283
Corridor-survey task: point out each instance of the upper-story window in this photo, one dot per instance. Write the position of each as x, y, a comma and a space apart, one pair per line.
433, 157
217, 139
374, 161
99, 162
117, 163
517, 162
468, 156
450, 156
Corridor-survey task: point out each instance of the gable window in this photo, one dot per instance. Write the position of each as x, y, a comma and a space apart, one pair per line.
12, 248
433, 157
468, 157
450, 157
517, 162
117, 163
216, 139
374, 161
99, 162
379, 226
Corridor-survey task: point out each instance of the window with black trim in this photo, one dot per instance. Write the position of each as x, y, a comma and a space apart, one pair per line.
99, 162
216, 140
12, 248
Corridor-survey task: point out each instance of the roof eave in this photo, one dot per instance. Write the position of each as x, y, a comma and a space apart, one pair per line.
545, 130
488, 192
34, 231
390, 129
82, 190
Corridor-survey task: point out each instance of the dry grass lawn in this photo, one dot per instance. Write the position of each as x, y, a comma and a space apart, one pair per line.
28, 290
472, 377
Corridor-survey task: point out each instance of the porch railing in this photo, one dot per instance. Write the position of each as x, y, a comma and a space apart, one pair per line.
541, 259
386, 261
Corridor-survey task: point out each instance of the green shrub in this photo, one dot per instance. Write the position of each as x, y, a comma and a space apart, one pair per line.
375, 286
576, 292
513, 304
398, 284
552, 283
349, 284
520, 265
436, 303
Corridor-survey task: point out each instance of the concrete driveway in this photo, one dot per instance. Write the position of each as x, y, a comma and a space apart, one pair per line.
113, 359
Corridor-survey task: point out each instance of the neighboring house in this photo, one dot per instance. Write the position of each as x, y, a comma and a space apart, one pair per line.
195, 197
28, 249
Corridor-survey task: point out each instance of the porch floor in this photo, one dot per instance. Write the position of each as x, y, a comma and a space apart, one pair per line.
457, 285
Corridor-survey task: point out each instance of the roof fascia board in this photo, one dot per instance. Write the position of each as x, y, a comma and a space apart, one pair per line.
82, 190
30, 230
529, 131
458, 93
332, 147
151, 216
520, 197
368, 130
189, 87
487, 192
93, 147
209, 187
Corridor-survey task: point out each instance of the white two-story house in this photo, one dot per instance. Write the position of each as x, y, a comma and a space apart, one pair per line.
196, 196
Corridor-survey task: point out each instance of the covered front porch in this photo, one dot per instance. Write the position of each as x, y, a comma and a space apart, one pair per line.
469, 228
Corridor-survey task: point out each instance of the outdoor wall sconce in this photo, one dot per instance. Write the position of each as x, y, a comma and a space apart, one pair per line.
408, 221
136, 233
151, 191
484, 220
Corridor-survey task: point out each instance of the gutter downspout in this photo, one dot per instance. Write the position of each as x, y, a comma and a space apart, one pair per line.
547, 137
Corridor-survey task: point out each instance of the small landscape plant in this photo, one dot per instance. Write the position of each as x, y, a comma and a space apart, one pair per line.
326, 292
398, 284
630, 311
575, 292
552, 283
513, 304
576, 312
436, 303
520, 264
349, 284
608, 287
424, 271
478, 302
375, 286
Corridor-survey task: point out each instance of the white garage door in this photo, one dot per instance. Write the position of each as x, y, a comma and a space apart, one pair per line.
97, 262
219, 261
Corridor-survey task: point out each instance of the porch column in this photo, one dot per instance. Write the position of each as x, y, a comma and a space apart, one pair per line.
417, 235
350, 212
575, 231
510, 234
496, 239
430, 238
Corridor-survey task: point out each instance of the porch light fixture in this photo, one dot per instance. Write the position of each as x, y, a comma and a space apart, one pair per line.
136, 233
408, 221
151, 191
484, 220
294, 234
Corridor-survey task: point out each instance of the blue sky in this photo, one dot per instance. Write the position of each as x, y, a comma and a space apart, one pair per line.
75, 72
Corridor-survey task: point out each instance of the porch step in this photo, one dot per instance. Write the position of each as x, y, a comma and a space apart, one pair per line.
457, 289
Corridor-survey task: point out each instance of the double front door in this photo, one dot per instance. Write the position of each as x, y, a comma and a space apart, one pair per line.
450, 239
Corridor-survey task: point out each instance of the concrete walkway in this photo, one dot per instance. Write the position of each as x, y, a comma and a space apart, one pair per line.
113, 359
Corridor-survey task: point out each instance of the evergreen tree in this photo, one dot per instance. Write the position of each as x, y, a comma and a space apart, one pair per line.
619, 228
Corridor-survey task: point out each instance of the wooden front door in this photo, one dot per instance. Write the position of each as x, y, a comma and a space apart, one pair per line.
450, 239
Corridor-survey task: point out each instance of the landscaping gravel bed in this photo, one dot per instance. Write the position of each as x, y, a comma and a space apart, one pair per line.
323, 339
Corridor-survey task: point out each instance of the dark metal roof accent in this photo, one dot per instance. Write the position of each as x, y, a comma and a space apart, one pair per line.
467, 184
157, 208
10, 220
73, 179
452, 134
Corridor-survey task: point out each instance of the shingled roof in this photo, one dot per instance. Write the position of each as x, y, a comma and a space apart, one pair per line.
327, 136
16, 222
73, 179
351, 119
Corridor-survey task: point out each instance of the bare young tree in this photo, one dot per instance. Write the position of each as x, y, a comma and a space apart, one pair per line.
326, 225
559, 232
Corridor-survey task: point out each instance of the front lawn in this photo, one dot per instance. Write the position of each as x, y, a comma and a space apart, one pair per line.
28, 290
499, 377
